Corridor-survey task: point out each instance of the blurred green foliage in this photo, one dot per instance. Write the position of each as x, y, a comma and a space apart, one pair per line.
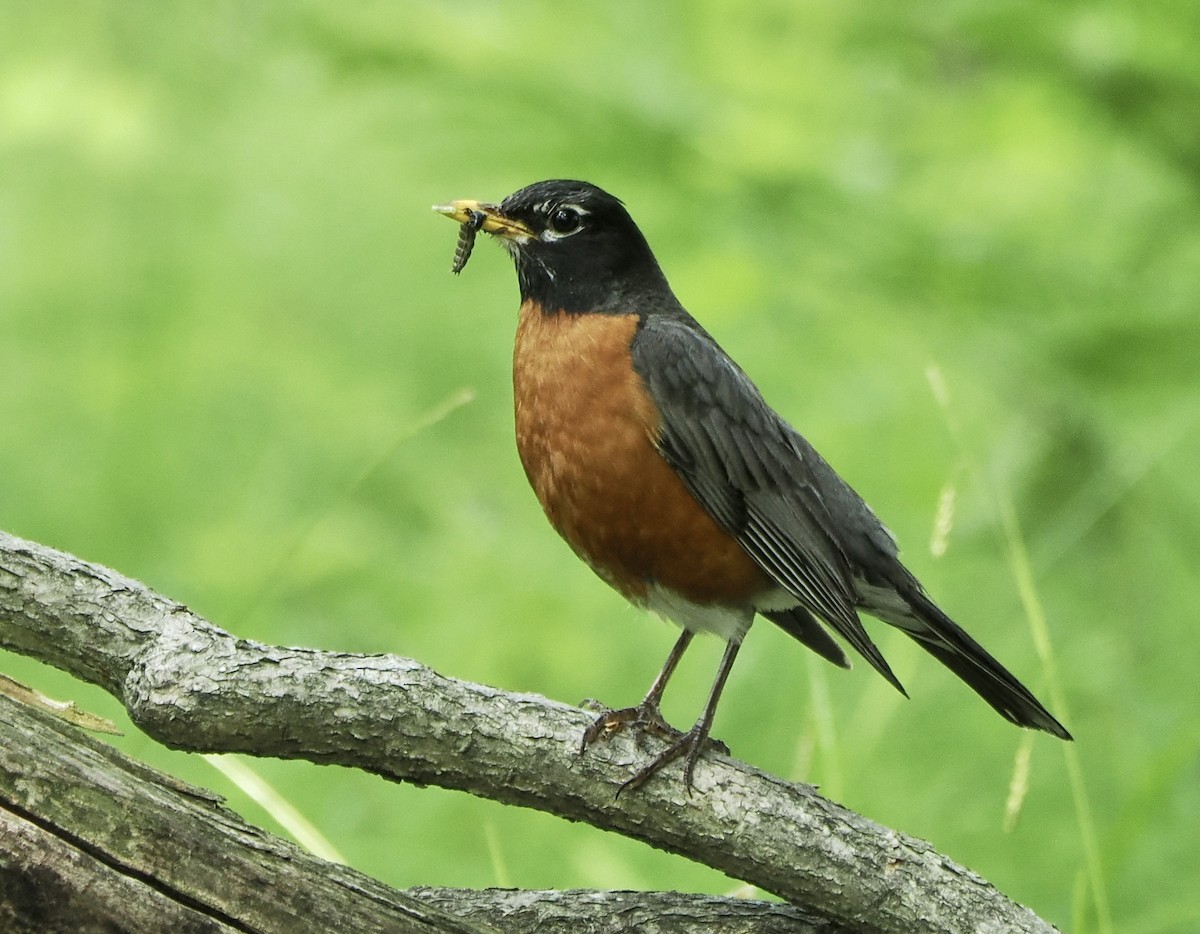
226, 315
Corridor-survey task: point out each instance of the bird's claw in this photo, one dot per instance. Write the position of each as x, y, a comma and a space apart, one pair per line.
690, 746
647, 718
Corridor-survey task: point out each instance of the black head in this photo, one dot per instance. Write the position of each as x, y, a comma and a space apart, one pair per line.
575, 247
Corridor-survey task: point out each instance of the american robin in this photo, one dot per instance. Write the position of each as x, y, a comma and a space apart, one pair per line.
659, 462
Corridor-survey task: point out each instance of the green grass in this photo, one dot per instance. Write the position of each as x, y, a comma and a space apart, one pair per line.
233, 364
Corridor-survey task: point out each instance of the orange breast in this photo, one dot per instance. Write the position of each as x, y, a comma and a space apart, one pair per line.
585, 434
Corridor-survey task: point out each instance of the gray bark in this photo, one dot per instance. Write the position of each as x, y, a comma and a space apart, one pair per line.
91, 840
193, 686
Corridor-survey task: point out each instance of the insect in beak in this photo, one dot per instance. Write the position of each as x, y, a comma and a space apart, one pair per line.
466, 239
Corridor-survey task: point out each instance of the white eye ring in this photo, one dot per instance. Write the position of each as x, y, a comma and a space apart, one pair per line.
564, 220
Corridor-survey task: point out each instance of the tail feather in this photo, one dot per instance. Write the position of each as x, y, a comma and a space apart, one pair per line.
800, 624
946, 641
908, 608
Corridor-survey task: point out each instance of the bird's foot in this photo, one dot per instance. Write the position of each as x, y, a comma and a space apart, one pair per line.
689, 746
648, 719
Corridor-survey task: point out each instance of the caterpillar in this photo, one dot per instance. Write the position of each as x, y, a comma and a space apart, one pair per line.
466, 240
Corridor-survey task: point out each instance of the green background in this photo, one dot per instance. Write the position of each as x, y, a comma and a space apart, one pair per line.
226, 319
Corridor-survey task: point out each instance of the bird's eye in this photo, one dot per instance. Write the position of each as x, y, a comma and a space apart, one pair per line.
565, 221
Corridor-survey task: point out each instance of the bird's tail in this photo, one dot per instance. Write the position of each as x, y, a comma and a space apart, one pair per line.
946, 641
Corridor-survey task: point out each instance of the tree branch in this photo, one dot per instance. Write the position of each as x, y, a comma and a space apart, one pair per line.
193, 686
91, 840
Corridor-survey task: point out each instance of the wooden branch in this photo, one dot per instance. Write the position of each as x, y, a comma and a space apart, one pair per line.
91, 840
193, 686
587, 912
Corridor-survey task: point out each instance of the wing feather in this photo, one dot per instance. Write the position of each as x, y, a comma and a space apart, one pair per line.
752, 472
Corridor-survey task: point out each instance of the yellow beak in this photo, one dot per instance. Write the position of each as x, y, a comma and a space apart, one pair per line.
487, 218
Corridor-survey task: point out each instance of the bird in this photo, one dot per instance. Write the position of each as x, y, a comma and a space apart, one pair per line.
658, 460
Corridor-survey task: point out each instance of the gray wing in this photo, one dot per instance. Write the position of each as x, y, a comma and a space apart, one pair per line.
756, 476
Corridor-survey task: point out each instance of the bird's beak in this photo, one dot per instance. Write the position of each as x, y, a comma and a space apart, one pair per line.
487, 217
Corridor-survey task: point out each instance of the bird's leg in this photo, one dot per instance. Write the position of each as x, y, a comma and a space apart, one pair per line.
647, 714
692, 743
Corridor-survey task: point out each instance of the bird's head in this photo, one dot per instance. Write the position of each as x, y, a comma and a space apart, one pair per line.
575, 247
